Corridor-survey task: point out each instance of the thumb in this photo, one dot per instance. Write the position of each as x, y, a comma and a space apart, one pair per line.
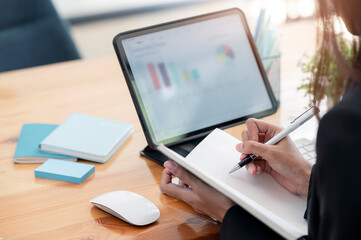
260, 149
181, 173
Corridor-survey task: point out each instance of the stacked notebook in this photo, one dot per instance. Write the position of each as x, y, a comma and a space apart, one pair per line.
27, 150
79, 136
87, 137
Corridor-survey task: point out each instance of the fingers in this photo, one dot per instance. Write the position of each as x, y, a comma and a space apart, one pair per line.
259, 131
262, 165
183, 175
261, 126
182, 184
258, 166
261, 137
166, 177
251, 147
239, 149
257, 148
174, 190
253, 129
251, 168
253, 137
203, 198
244, 135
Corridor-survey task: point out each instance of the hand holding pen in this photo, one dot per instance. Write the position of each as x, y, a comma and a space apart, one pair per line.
283, 161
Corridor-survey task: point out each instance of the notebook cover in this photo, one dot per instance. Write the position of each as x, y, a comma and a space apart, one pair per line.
28, 144
64, 171
87, 137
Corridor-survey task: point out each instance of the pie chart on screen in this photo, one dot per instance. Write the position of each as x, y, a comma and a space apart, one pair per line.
225, 54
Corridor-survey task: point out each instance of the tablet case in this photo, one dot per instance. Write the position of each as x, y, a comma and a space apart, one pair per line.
182, 149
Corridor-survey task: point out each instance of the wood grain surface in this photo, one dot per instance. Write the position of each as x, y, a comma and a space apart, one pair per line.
35, 208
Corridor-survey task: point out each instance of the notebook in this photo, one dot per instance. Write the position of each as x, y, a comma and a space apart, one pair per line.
260, 195
87, 137
27, 149
64, 171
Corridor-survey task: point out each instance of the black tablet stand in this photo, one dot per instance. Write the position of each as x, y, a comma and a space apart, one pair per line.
182, 149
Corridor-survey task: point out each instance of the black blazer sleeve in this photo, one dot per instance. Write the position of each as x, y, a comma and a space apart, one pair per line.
334, 201
239, 224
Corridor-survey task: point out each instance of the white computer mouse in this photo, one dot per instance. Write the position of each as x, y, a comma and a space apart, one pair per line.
128, 206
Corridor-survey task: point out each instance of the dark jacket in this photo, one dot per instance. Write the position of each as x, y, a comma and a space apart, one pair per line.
334, 197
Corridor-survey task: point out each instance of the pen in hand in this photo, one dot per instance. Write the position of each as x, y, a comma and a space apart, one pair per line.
304, 117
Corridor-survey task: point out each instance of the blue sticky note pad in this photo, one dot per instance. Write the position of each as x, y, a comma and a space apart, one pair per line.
64, 170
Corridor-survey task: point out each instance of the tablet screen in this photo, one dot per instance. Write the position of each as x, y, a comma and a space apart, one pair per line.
195, 76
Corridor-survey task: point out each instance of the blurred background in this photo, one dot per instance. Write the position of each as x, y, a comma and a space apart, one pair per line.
92, 24
95, 23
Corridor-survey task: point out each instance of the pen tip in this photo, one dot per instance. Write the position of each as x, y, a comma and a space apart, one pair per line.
235, 168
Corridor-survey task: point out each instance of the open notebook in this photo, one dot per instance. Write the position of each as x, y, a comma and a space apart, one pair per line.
260, 195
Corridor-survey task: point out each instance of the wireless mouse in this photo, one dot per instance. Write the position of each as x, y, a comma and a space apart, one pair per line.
128, 206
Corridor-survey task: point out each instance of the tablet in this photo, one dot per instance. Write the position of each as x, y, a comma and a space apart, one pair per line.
191, 76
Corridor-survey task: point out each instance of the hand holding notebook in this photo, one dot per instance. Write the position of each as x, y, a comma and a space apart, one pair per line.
260, 195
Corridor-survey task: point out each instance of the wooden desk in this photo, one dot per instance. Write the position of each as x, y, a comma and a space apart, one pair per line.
34, 208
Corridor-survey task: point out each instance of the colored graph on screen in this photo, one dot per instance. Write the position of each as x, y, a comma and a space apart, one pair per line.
225, 54
167, 75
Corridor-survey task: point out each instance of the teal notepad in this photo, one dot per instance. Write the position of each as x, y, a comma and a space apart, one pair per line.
87, 137
64, 171
27, 149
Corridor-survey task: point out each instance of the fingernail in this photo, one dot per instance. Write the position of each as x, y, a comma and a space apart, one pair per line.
253, 170
239, 147
171, 165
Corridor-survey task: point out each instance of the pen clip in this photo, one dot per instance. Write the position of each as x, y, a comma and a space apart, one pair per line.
316, 110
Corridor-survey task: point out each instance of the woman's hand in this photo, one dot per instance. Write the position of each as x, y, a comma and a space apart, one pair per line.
203, 198
283, 161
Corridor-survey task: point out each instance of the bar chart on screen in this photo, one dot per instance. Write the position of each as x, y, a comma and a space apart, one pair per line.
168, 75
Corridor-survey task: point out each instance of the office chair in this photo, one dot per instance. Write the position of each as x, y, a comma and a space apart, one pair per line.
32, 34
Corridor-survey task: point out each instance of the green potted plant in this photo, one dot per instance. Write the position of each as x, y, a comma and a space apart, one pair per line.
333, 82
